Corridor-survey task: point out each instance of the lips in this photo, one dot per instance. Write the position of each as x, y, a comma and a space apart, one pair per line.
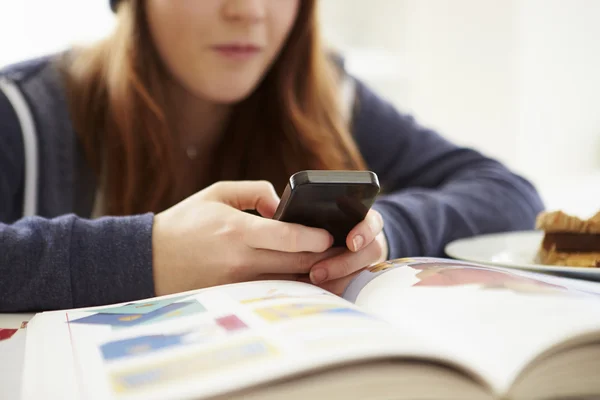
237, 51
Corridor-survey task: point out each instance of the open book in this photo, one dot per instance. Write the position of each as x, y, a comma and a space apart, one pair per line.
418, 328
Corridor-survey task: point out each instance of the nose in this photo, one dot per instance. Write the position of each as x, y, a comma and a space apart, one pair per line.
250, 11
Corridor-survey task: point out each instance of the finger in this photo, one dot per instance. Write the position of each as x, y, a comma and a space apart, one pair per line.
305, 278
279, 277
345, 264
365, 232
246, 195
268, 262
338, 286
385, 247
269, 234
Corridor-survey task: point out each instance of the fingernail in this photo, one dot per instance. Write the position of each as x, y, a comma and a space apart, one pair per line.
357, 242
318, 275
376, 224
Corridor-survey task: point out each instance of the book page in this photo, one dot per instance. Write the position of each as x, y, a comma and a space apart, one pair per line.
492, 319
201, 343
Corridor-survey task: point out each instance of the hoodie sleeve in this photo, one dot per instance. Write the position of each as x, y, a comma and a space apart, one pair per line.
433, 190
68, 261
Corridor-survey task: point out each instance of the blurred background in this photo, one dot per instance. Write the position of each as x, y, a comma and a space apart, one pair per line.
516, 79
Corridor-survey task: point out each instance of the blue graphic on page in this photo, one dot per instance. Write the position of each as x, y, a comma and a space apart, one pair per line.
140, 345
192, 307
126, 320
143, 307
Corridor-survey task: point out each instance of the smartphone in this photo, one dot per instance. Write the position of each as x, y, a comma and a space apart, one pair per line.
333, 200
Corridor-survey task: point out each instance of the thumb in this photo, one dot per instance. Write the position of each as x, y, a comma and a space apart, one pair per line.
247, 195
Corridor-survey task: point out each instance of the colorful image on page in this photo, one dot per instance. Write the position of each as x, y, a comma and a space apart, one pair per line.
424, 271
448, 275
361, 280
390, 264
141, 307
166, 312
149, 344
196, 365
283, 312
192, 308
6, 333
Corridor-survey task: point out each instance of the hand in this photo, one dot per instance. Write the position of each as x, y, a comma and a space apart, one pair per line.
207, 240
366, 245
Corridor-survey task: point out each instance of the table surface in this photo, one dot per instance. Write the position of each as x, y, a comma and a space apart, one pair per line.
12, 353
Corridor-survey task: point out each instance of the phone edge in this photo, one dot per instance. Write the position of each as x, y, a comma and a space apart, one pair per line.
316, 177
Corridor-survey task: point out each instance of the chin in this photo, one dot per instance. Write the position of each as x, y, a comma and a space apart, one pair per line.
229, 98
228, 92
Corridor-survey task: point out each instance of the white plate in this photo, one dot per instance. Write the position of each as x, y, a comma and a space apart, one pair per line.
512, 249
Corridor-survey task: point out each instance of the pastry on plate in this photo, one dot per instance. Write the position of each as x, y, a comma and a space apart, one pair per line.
569, 240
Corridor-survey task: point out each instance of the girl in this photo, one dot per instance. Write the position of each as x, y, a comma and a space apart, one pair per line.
126, 167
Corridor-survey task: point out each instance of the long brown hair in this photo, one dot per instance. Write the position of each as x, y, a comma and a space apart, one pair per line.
292, 121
